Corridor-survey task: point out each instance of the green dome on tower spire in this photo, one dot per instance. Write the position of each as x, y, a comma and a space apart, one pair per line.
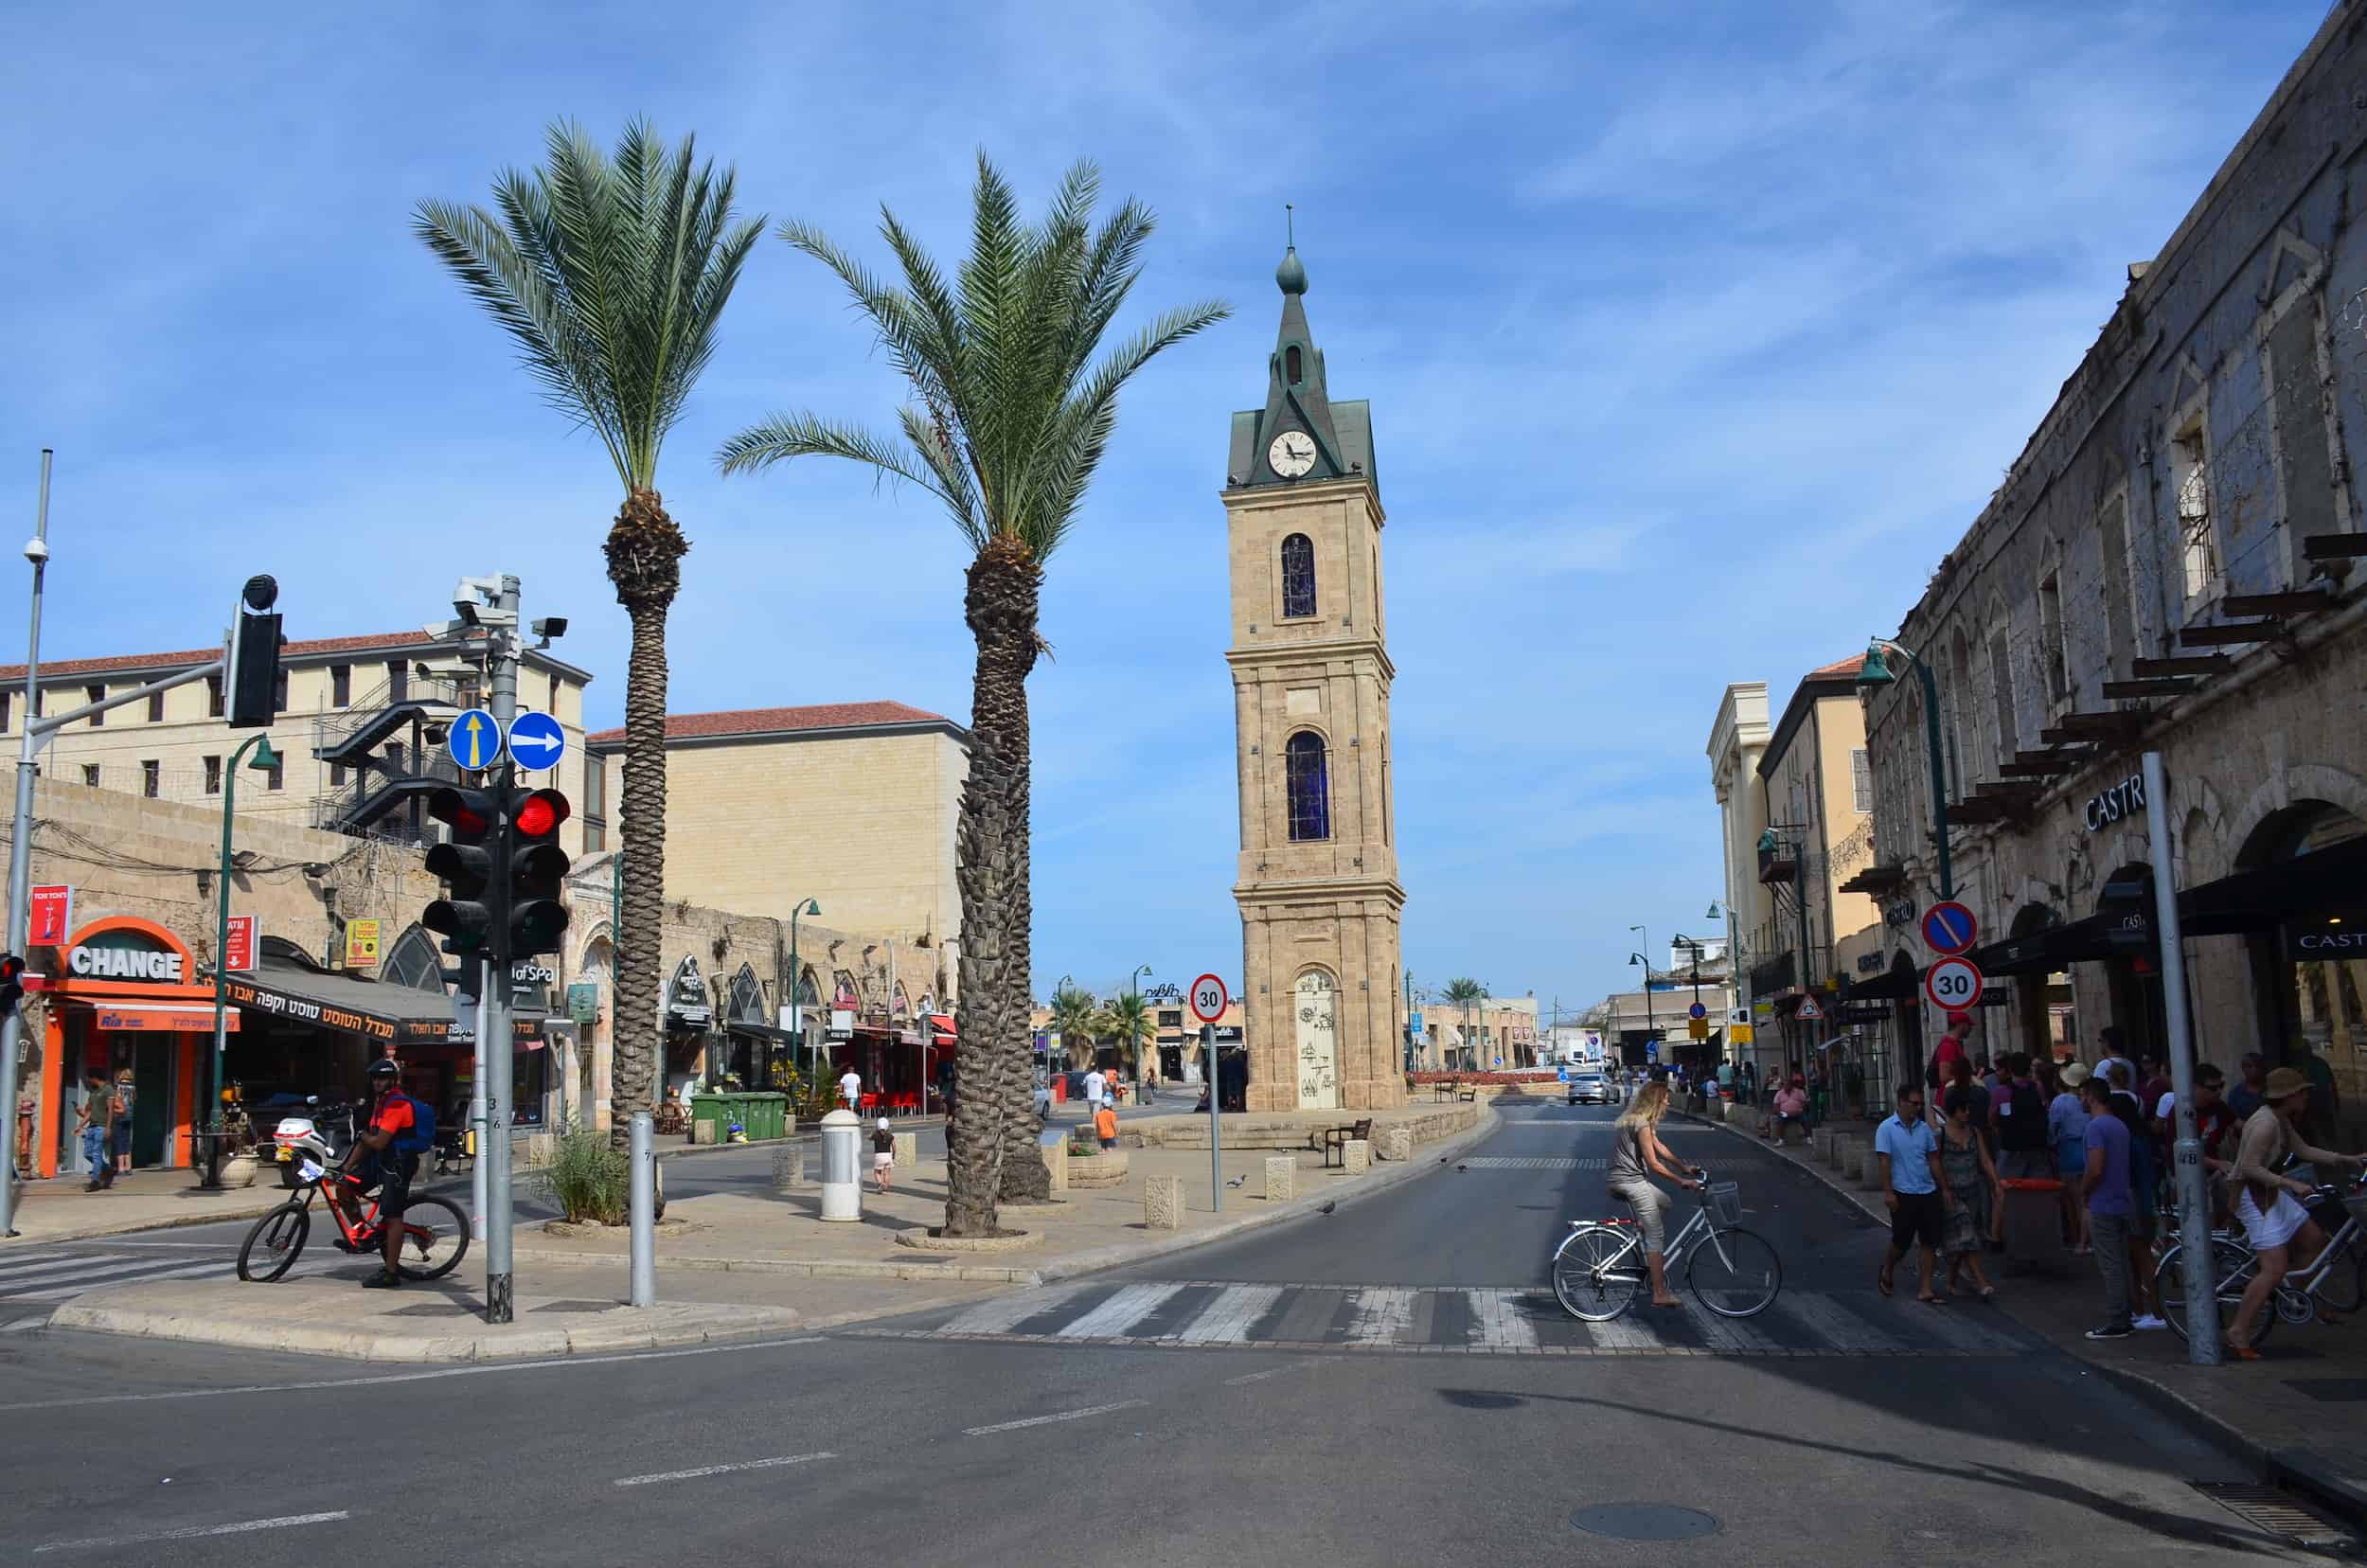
1291, 276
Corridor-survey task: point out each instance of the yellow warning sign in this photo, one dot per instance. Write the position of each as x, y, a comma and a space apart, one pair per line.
1698, 1028
361, 944
1741, 1034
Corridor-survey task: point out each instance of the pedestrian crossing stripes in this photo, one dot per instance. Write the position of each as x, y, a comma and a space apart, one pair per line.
1538, 1161
48, 1277
1506, 1321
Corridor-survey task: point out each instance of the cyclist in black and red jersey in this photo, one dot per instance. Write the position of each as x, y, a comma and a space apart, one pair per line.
386, 1155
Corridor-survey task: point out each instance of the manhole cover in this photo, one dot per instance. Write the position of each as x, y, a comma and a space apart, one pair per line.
1644, 1521
2278, 1512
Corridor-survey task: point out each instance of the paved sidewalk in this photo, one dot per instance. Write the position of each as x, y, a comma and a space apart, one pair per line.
1085, 1229
61, 1210
2298, 1412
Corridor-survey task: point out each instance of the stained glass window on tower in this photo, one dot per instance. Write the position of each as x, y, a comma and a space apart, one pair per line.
1309, 787
1298, 576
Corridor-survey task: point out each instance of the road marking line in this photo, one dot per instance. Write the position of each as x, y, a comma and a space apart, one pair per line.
1004, 1313
1832, 1324
10, 1273
194, 1532
1382, 1317
1047, 1421
1627, 1331
721, 1469
67, 1293
1227, 1319
1948, 1323
1730, 1334
1121, 1312
82, 1281
742, 1347
23, 1326
1270, 1372
1501, 1325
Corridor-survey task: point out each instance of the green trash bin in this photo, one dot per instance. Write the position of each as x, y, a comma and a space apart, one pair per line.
766, 1115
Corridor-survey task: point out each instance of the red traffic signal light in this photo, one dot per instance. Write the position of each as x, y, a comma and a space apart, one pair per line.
11, 980
465, 916
537, 869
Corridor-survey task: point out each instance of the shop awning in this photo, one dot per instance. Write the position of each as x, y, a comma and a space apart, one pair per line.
367, 1009
941, 1023
752, 1030
132, 1015
1889, 984
2332, 880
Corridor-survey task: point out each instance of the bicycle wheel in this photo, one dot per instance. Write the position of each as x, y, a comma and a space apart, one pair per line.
2339, 1291
435, 1237
1586, 1281
2232, 1267
271, 1247
1735, 1272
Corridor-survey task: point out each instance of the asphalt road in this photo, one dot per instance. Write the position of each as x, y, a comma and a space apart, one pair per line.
1848, 1430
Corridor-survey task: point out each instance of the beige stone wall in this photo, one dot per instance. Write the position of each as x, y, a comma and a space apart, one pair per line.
863, 824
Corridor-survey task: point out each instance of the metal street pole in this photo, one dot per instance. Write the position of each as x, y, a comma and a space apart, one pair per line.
222, 942
1134, 1019
796, 983
493, 1036
20, 842
1216, 1134
2194, 1200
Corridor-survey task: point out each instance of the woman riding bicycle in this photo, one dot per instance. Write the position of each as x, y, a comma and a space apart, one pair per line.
1636, 1156
2281, 1232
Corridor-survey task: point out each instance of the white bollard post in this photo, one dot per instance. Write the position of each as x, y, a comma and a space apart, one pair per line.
842, 1186
642, 1204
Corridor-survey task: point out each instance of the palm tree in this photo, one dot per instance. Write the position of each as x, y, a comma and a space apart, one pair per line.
611, 274
1466, 993
1010, 416
1127, 1019
1076, 1014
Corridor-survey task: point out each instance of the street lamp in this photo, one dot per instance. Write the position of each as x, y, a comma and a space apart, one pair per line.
263, 761
1134, 1022
797, 980
1635, 958
1874, 675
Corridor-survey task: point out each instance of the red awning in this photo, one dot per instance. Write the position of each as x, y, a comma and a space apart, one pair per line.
942, 1023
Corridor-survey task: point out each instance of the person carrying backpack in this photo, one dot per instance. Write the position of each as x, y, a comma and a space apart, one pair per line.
387, 1154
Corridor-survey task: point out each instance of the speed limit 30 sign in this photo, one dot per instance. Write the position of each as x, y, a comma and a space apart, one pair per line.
1953, 984
1209, 999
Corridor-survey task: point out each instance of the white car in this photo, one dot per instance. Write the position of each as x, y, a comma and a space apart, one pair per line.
1592, 1089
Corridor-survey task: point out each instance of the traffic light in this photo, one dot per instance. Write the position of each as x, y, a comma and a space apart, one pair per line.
255, 644
537, 870
465, 916
2127, 904
12, 982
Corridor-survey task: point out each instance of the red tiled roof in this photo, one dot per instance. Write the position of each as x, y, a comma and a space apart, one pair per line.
691, 726
128, 662
1848, 667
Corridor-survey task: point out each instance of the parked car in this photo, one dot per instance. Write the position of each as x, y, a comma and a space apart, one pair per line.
1592, 1088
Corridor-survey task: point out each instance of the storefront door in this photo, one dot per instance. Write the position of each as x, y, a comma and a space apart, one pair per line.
151, 1108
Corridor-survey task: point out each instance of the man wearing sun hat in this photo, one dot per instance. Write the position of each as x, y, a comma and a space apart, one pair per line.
2281, 1232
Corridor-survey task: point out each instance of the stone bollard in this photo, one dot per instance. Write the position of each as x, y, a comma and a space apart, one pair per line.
1823, 1138
1834, 1150
1163, 1203
1852, 1150
1281, 1178
1056, 1164
706, 1131
1356, 1158
788, 1168
1397, 1143
1870, 1166
907, 1152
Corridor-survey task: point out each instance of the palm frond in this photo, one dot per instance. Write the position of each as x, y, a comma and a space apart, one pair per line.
786, 436
611, 271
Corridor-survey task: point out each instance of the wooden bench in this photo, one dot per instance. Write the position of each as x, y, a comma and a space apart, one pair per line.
1466, 1091
1336, 1140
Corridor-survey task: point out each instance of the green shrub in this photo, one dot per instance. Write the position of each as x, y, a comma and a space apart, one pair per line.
588, 1180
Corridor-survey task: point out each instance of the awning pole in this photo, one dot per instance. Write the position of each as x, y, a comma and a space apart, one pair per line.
2194, 1200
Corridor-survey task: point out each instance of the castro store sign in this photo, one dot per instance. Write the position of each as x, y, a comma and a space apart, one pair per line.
2124, 800
157, 965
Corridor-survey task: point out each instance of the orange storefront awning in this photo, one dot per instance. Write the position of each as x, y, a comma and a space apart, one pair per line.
139, 1015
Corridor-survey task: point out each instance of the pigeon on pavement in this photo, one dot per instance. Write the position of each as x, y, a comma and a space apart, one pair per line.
1328, 1207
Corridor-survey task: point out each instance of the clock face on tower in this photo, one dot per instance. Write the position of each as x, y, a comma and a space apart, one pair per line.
1291, 453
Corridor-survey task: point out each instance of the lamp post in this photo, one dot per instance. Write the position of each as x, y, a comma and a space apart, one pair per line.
1134, 1023
1874, 675
263, 761
1638, 959
797, 976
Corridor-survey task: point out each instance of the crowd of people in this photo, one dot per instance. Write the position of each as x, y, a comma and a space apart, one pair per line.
2103, 1134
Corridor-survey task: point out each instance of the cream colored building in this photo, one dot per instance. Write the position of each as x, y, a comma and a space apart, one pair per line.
1818, 790
1738, 740
852, 805
361, 719
1476, 1038
1318, 885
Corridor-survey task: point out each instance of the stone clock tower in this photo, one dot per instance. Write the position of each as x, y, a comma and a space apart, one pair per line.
1318, 882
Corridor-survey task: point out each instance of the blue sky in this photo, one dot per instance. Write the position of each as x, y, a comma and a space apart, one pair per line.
1694, 335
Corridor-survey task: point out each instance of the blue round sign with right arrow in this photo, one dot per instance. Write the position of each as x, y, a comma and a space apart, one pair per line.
1950, 928
474, 740
535, 741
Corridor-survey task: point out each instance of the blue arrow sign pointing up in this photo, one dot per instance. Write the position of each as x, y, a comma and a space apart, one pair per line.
474, 740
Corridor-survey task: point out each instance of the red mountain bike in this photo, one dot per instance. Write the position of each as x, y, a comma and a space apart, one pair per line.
435, 1232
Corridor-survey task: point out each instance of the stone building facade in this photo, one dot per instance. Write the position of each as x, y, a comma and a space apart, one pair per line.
1318, 885
2172, 564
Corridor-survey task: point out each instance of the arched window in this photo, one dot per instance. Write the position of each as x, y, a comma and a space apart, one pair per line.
1291, 364
1309, 787
413, 961
1298, 576
747, 1003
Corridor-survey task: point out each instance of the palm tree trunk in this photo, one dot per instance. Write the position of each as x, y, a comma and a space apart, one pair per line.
645, 551
999, 1149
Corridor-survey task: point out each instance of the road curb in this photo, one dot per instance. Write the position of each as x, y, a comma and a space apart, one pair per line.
2297, 1468
670, 1329
817, 1268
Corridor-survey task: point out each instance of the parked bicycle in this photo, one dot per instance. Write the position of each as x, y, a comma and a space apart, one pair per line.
435, 1232
1733, 1271
2335, 1281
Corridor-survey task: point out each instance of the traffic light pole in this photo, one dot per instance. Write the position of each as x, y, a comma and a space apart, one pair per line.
493, 1032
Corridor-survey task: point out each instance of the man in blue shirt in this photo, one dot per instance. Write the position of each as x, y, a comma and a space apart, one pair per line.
2110, 1206
1911, 1188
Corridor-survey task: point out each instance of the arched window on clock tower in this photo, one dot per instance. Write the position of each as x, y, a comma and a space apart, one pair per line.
1298, 576
1308, 782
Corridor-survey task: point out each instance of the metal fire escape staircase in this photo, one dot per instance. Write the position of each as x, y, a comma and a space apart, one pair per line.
388, 745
